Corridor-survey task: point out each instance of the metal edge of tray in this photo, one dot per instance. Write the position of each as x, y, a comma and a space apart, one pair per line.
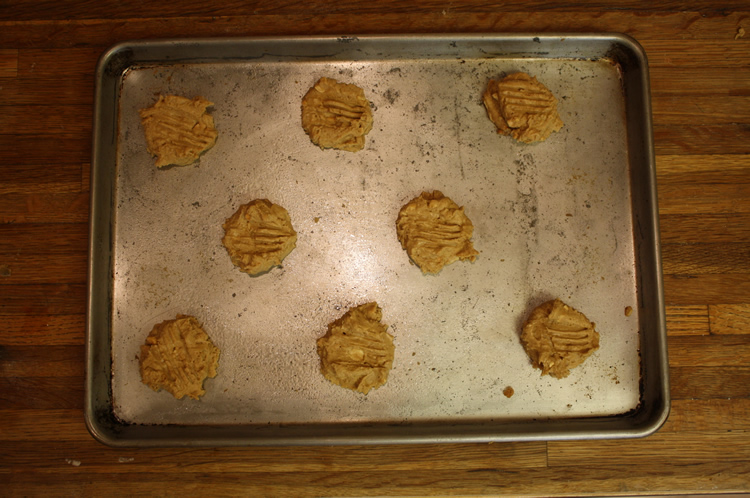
646, 419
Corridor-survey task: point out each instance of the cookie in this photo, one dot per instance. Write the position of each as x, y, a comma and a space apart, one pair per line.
357, 352
435, 232
259, 236
558, 338
522, 107
178, 356
178, 130
336, 115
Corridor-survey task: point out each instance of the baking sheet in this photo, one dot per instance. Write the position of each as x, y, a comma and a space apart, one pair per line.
554, 219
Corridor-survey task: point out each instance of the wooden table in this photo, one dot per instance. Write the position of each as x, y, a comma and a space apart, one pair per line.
700, 72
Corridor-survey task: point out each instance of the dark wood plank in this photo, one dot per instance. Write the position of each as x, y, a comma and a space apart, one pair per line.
23, 425
690, 415
43, 330
702, 258
8, 62
704, 109
729, 318
43, 178
56, 119
99, 458
687, 320
602, 479
68, 9
52, 150
45, 361
686, 83
722, 176
48, 63
691, 228
698, 54
41, 393
676, 26
709, 289
702, 139
44, 238
709, 382
71, 90
709, 351
704, 184
44, 208
43, 268
667, 36
663, 449
680, 166
43, 299
715, 198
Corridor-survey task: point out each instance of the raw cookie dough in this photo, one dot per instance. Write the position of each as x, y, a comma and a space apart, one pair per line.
435, 232
178, 356
357, 352
522, 107
259, 236
336, 115
178, 130
557, 338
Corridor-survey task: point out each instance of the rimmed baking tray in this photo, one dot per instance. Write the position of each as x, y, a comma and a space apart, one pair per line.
574, 217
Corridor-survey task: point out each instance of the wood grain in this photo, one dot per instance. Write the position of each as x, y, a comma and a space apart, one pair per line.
687, 320
46, 178
702, 139
680, 197
703, 258
44, 238
41, 393
700, 87
32, 90
43, 330
38, 269
686, 83
559, 481
690, 415
44, 208
23, 425
704, 109
45, 149
111, 9
310, 459
8, 63
61, 119
47, 361
666, 27
729, 288
664, 449
708, 351
709, 382
729, 319
42, 299
692, 228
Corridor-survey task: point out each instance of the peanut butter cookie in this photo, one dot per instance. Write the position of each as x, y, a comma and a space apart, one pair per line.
178, 130
522, 107
435, 232
557, 338
336, 115
259, 236
178, 356
357, 352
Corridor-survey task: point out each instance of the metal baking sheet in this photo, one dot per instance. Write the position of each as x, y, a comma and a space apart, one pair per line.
573, 217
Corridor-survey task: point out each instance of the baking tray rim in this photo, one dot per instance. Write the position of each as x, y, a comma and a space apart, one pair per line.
643, 421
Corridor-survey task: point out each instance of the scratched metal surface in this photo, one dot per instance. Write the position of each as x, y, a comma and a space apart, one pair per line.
552, 219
